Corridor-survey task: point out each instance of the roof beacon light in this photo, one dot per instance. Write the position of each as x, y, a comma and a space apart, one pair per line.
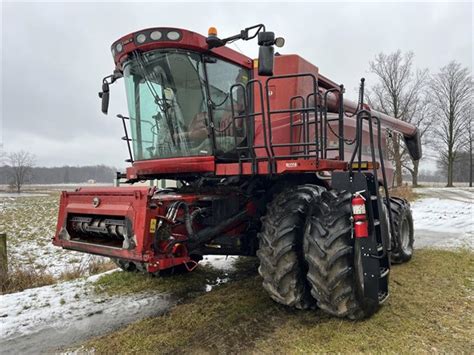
212, 31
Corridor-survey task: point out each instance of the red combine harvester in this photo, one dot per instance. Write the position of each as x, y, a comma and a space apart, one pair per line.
269, 160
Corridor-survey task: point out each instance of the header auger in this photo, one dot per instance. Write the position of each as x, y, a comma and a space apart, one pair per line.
269, 160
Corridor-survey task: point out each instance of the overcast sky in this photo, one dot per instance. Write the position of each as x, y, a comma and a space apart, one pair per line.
54, 56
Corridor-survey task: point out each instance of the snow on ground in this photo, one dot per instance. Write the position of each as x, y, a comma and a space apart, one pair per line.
71, 311
23, 194
22, 312
221, 262
30, 223
42, 319
444, 218
443, 215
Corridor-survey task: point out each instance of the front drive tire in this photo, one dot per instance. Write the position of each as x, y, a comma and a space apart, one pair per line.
130, 266
125, 265
329, 252
282, 264
403, 232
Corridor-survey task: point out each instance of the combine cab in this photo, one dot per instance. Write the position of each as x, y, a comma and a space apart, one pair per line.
269, 160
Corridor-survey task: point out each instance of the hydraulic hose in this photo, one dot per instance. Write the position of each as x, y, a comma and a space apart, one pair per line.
188, 220
206, 234
210, 233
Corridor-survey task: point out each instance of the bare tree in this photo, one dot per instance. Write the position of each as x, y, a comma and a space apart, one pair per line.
3, 155
451, 90
21, 164
423, 120
470, 138
401, 93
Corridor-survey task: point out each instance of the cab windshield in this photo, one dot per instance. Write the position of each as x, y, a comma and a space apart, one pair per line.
169, 105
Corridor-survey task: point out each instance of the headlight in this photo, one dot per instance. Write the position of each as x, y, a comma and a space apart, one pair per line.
173, 35
141, 38
155, 35
119, 47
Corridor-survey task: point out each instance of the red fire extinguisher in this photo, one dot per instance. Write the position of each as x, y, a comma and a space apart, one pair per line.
359, 213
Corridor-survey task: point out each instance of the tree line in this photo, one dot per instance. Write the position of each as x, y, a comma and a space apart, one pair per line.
18, 169
439, 104
461, 171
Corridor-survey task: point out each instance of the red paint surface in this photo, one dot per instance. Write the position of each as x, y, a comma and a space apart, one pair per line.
203, 164
139, 205
189, 40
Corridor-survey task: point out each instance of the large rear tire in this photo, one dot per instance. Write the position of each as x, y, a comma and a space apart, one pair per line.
282, 264
403, 233
335, 279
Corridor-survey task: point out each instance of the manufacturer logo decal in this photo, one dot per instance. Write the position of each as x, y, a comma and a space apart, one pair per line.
95, 201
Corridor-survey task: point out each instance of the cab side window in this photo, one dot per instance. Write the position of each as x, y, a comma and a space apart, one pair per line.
222, 75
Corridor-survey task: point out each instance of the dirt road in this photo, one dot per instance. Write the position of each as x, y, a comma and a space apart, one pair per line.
461, 194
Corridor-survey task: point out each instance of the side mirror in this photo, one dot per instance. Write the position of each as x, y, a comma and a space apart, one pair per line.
104, 95
265, 60
266, 52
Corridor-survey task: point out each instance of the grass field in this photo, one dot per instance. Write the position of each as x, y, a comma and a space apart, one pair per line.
429, 310
405, 192
30, 222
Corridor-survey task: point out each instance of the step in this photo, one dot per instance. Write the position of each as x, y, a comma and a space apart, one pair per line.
384, 272
383, 296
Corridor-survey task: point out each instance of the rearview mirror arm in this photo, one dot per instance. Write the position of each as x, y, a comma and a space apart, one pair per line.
104, 94
243, 35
